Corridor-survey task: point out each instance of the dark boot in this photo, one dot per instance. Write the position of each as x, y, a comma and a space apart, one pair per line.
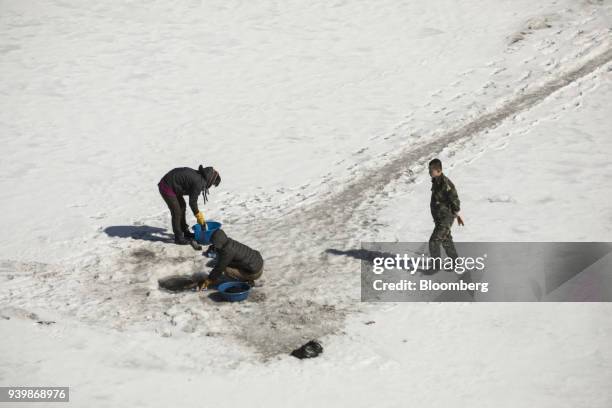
180, 240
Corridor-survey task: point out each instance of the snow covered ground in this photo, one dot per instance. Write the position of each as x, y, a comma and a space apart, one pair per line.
320, 117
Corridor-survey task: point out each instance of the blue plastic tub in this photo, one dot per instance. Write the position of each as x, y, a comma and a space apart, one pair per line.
234, 291
203, 236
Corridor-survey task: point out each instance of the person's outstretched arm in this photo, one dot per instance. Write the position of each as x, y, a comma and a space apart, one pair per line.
193, 204
223, 260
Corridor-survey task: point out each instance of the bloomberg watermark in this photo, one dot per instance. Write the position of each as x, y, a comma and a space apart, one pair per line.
487, 272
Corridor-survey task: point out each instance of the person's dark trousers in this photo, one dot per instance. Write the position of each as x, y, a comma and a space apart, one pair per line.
177, 208
441, 235
239, 273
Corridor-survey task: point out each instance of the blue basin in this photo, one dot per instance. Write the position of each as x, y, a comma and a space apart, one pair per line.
234, 291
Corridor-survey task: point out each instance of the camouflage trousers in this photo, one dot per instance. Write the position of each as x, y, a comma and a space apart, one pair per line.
441, 235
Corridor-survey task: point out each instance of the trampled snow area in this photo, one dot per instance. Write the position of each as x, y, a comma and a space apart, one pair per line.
320, 117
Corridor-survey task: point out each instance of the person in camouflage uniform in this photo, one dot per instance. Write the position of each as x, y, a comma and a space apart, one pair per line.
445, 208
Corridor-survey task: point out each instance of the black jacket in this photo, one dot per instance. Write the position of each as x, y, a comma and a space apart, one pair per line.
234, 254
187, 181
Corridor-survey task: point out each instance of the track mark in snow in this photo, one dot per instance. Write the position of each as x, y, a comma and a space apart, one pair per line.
335, 208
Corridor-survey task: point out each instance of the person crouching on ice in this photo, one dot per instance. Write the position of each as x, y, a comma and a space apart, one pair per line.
185, 181
234, 259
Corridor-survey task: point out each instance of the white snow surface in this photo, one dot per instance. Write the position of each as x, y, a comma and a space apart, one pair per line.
320, 117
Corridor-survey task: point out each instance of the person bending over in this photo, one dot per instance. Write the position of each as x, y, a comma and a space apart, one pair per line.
186, 181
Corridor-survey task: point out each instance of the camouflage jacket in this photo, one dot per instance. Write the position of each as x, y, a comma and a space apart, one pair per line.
444, 199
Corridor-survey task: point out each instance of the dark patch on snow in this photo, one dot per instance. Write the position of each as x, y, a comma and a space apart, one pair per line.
143, 254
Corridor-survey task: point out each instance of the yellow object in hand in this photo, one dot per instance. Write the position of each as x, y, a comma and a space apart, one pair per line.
200, 218
205, 284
